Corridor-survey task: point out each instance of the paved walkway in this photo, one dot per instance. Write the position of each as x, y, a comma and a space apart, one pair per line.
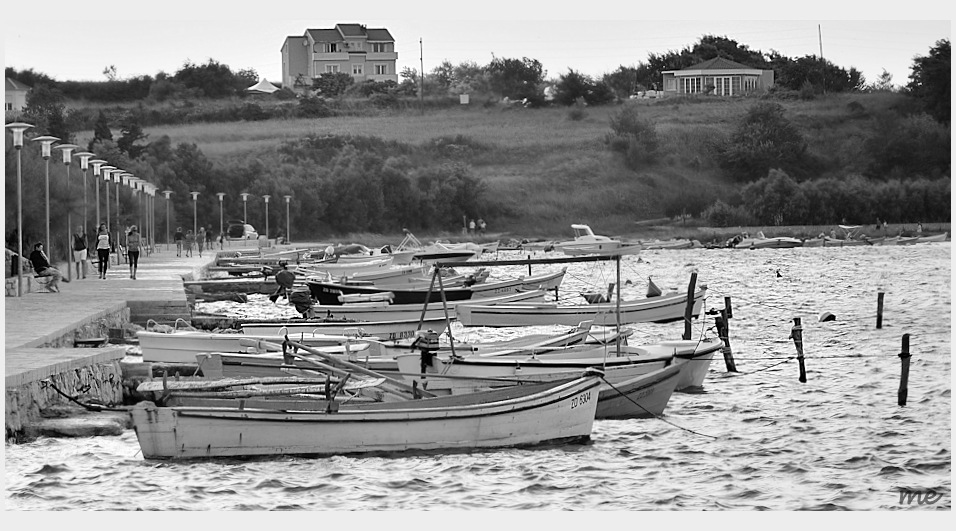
39, 317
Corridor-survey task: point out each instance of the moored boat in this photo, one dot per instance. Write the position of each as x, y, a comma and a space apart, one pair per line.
513, 416
385, 330
661, 309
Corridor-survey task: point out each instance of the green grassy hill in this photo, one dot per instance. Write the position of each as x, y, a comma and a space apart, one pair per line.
546, 169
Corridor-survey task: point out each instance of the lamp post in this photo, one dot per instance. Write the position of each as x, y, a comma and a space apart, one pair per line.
67, 150
46, 143
245, 217
220, 195
118, 178
97, 166
288, 227
107, 172
167, 194
17, 128
266, 197
85, 165
195, 222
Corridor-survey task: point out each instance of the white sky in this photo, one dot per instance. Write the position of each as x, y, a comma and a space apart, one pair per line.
77, 41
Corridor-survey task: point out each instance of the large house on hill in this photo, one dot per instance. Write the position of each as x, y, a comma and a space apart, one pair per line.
364, 53
718, 76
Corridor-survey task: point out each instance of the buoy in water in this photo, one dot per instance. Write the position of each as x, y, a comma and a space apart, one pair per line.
827, 316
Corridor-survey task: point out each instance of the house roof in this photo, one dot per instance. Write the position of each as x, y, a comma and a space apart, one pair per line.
324, 35
719, 63
341, 31
351, 30
380, 34
13, 84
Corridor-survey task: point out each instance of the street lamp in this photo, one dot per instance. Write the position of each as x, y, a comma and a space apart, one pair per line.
107, 172
167, 194
288, 227
46, 142
195, 222
97, 165
245, 195
220, 195
120, 176
67, 150
85, 165
17, 128
266, 197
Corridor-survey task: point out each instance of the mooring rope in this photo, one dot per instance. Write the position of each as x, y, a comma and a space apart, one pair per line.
90, 407
658, 417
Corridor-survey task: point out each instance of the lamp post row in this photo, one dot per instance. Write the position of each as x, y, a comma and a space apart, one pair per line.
142, 190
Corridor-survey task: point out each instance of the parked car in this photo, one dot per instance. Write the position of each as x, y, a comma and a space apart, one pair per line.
239, 230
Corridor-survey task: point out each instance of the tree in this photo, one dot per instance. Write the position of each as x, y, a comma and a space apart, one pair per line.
516, 78
101, 131
46, 110
764, 139
332, 84
131, 132
930, 81
884, 83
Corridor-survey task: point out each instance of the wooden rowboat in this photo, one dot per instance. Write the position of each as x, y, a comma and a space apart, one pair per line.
386, 330
514, 416
183, 345
662, 309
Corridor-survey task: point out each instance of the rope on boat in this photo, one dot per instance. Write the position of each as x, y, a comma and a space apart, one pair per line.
658, 417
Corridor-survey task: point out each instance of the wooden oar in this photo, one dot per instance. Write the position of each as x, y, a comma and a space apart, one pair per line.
351, 367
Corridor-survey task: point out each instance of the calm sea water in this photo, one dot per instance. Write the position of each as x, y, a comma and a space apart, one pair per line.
758, 439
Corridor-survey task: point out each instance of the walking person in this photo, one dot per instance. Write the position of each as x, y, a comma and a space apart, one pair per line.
103, 244
42, 267
179, 237
471, 227
133, 241
201, 239
481, 226
80, 252
190, 240
210, 240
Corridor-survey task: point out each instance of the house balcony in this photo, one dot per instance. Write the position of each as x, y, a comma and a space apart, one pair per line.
381, 56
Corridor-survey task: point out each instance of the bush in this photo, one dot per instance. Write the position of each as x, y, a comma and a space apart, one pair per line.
314, 107
721, 214
764, 139
633, 136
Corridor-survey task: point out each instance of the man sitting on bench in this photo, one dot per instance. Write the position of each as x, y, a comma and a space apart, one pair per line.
42, 268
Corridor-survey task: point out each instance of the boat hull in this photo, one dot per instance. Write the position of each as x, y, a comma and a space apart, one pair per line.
182, 347
663, 309
385, 330
520, 416
327, 293
639, 397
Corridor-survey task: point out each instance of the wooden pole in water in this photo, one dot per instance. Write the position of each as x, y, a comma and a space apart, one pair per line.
529, 267
689, 310
728, 308
797, 334
723, 331
904, 371
879, 310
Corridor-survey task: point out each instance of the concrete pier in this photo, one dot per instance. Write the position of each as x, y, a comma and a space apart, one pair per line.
41, 330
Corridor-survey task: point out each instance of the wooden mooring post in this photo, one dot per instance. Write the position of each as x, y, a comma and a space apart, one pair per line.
904, 371
723, 331
728, 308
689, 310
879, 310
796, 333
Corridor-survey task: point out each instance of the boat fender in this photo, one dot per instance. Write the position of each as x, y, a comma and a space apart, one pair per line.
827, 316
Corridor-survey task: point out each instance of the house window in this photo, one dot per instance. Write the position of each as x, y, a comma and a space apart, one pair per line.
722, 86
357, 70
9, 106
379, 47
750, 83
331, 47
331, 69
381, 70
690, 85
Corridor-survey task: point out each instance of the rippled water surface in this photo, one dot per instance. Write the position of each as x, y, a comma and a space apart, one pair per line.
758, 439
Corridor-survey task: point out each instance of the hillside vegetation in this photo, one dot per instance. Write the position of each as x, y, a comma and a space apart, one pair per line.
541, 169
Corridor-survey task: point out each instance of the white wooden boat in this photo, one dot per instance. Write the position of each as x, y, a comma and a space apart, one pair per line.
340, 269
183, 345
641, 396
385, 311
484, 290
780, 242
217, 365
514, 416
662, 309
386, 330
933, 238
671, 244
